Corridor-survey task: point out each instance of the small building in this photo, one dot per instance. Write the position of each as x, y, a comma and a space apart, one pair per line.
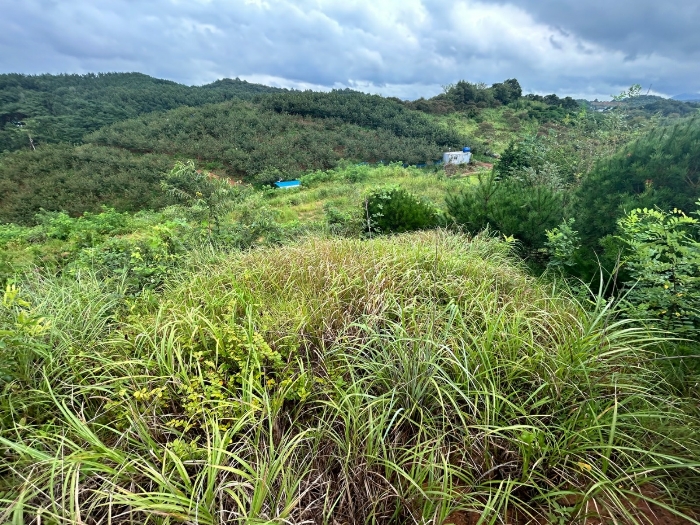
288, 184
457, 157
603, 107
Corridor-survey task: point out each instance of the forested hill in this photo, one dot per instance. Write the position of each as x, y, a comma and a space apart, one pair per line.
293, 133
62, 108
121, 165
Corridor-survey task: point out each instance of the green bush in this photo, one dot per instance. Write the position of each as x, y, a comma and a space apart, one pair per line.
661, 169
662, 259
395, 210
519, 206
142, 260
206, 197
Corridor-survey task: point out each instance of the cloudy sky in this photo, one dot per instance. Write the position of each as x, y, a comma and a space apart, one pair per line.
405, 48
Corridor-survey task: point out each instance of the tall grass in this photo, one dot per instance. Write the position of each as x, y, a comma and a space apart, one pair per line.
417, 379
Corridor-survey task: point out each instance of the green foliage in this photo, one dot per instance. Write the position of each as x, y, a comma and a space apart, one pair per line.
562, 244
217, 362
663, 262
368, 111
20, 343
466, 94
63, 108
261, 141
523, 206
634, 91
256, 224
552, 102
544, 155
514, 157
648, 105
661, 169
207, 196
395, 210
471, 98
507, 91
383, 376
267, 177
85, 231
140, 251
78, 179
142, 260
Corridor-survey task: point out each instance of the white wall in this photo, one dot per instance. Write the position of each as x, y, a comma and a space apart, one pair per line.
456, 157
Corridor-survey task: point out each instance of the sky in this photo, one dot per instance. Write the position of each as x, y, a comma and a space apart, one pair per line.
404, 48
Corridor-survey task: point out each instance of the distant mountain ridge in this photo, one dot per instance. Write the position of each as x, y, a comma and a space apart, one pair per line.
688, 96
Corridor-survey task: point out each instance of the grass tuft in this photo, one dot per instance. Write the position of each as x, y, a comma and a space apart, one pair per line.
421, 378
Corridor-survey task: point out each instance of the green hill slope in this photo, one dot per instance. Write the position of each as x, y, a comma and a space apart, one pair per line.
62, 108
248, 138
255, 141
78, 179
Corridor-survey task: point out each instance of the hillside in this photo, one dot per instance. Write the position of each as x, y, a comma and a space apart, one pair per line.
248, 138
403, 379
182, 343
76, 179
63, 108
256, 141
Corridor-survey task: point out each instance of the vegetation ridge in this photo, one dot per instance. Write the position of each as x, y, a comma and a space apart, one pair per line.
398, 380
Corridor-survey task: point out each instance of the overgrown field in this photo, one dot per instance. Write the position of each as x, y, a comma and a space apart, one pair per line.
182, 343
421, 378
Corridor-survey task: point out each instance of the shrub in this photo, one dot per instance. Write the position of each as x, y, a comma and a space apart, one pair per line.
395, 210
663, 262
523, 207
207, 196
661, 169
142, 260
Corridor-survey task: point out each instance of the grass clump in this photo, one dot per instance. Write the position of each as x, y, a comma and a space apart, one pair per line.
420, 378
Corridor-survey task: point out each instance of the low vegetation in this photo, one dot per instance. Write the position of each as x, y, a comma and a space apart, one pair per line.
78, 179
511, 341
397, 380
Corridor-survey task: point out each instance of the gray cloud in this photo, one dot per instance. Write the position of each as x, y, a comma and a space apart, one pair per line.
407, 48
637, 27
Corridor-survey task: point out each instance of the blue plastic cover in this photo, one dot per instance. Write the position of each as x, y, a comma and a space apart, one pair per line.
288, 184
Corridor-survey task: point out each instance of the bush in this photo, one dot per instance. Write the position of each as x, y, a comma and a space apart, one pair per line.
524, 208
395, 210
142, 260
663, 262
662, 169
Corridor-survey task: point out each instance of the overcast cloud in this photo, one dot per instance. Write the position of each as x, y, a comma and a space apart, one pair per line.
406, 48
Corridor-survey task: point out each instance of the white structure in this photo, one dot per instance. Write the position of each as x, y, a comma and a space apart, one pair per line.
457, 157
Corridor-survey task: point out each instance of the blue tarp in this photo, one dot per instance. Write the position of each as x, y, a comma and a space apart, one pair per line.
288, 184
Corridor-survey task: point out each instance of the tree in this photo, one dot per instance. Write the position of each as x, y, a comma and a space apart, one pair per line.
523, 206
634, 91
208, 196
661, 169
508, 91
